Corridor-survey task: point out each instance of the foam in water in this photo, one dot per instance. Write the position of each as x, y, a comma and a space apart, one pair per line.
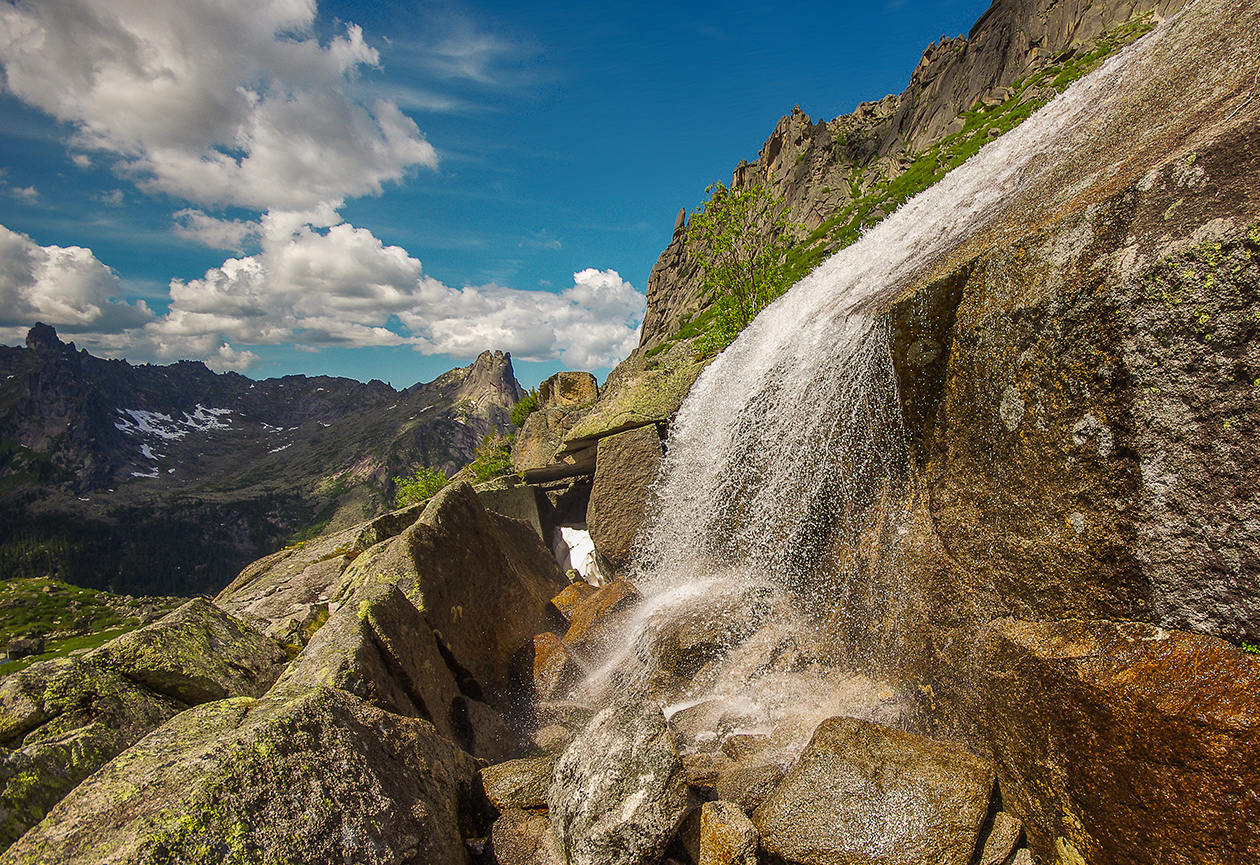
786, 466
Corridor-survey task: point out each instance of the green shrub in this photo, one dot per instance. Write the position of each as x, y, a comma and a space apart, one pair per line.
740, 239
492, 459
523, 409
423, 484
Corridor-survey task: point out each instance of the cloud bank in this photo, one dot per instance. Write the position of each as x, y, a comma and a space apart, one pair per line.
317, 283
237, 103
226, 103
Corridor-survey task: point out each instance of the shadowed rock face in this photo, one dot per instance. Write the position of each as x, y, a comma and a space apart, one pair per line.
626, 466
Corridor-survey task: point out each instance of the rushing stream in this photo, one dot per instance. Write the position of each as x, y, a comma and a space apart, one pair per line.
787, 464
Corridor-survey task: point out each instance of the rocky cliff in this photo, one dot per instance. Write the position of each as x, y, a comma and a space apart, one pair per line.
837, 177
153, 464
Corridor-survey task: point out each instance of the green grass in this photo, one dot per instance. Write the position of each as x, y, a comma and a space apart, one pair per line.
83, 618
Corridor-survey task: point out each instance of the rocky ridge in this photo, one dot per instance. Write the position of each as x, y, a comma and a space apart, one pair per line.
158, 463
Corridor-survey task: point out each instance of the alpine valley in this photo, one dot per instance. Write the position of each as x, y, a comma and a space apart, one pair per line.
167, 480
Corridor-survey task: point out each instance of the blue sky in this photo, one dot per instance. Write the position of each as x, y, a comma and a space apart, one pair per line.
383, 190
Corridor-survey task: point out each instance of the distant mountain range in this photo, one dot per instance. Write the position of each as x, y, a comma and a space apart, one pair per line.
169, 479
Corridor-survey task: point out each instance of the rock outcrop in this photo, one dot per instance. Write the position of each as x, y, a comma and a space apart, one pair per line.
839, 176
62, 720
1119, 740
323, 777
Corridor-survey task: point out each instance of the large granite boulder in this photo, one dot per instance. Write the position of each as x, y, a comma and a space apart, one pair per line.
61, 720
321, 778
626, 465
562, 401
863, 794
1125, 742
287, 593
619, 791
1083, 427
381, 649
438, 622
486, 584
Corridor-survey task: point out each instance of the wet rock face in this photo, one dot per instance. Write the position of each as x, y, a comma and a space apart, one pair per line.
619, 791
626, 465
862, 793
1089, 455
1125, 742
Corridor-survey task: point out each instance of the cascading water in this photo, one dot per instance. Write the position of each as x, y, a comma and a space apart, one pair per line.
784, 485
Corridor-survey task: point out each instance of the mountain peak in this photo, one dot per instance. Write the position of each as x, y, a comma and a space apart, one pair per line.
43, 337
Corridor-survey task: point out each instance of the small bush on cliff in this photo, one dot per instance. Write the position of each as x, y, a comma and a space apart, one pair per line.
492, 459
740, 239
423, 484
523, 409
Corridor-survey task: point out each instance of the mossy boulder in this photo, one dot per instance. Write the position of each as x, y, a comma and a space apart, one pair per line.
641, 391
62, 720
321, 778
196, 654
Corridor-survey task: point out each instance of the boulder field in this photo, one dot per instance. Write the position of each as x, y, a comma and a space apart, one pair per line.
1062, 671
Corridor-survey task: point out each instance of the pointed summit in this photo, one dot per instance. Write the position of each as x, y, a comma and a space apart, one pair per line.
491, 386
43, 337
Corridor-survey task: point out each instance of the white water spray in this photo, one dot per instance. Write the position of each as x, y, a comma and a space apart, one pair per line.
788, 456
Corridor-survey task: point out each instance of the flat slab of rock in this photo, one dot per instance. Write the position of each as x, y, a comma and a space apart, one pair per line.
863, 794
196, 654
569, 599
619, 791
519, 783
593, 622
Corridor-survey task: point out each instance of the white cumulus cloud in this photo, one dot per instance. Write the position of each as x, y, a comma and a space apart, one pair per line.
317, 283
234, 102
322, 285
63, 286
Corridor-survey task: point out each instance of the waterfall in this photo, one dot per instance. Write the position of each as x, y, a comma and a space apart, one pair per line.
786, 473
